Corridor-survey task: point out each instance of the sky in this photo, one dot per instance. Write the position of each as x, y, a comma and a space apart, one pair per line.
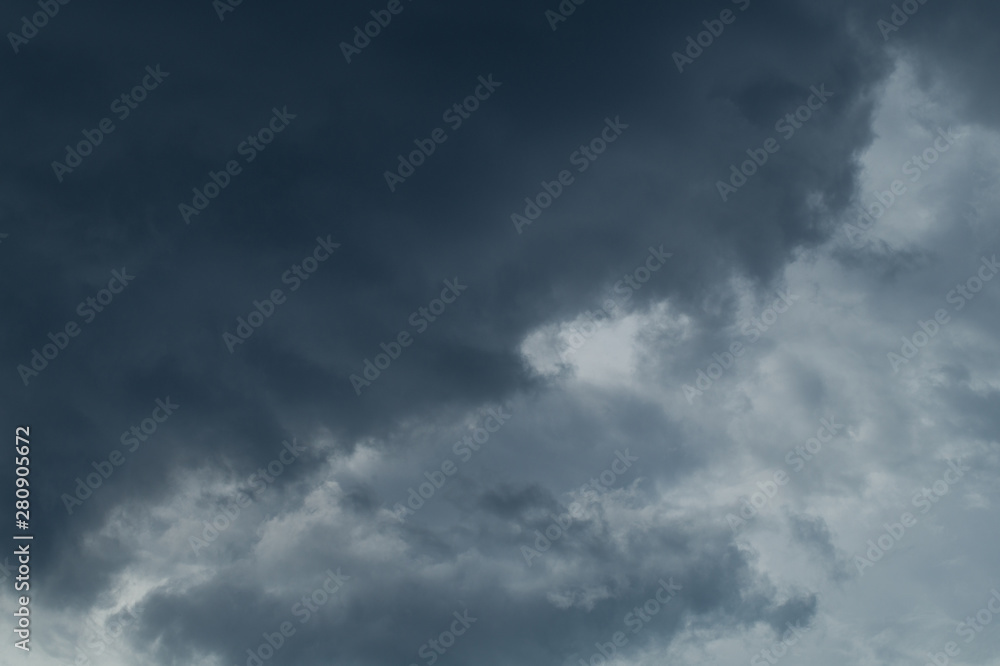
538, 333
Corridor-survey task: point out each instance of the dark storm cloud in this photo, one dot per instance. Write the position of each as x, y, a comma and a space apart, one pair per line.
221, 617
323, 176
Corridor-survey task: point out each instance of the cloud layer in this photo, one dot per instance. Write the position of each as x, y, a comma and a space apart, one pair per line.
586, 364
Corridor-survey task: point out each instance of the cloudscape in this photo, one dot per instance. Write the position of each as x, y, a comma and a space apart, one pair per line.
550, 333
